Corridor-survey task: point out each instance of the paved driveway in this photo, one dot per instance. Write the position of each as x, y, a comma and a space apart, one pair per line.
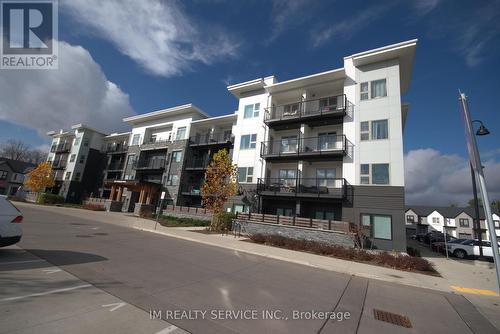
155, 272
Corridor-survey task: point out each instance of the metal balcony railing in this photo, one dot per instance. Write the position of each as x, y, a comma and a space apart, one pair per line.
212, 138
307, 187
191, 189
150, 164
65, 147
59, 164
117, 149
154, 144
304, 147
306, 109
198, 163
116, 165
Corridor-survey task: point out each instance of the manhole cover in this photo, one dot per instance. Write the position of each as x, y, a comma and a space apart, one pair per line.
100, 233
83, 236
392, 318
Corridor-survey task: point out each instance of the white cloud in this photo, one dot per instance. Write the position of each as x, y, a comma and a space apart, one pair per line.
286, 14
433, 178
156, 34
350, 25
78, 92
424, 7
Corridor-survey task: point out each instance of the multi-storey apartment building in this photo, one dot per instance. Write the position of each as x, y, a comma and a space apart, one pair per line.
76, 159
327, 145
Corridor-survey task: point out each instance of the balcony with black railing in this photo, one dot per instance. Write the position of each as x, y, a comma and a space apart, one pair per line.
191, 190
60, 148
197, 163
326, 110
150, 164
115, 165
304, 187
225, 138
116, 149
155, 144
327, 147
59, 164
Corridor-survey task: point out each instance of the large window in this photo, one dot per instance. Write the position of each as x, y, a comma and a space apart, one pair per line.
181, 133
68, 176
374, 173
327, 141
288, 144
252, 110
135, 139
326, 177
374, 130
77, 141
3, 174
72, 158
373, 89
248, 142
463, 222
245, 174
410, 219
380, 225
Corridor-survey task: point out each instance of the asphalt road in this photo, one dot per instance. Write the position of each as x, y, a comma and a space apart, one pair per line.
155, 272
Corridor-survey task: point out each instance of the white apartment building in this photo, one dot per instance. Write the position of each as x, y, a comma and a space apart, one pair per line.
327, 145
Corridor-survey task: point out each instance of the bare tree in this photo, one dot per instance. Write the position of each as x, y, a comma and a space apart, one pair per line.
35, 156
14, 149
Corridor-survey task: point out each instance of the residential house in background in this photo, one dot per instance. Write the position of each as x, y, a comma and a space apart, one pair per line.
12, 175
77, 162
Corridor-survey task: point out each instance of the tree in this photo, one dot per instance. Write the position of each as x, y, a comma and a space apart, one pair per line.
40, 178
472, 203
14, 149
220, 184
35, 156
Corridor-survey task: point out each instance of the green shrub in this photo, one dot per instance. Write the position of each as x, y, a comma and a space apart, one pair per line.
223, 221
50, 199
181, 222
413, 251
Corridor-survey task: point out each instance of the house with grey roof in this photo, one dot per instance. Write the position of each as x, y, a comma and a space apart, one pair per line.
12, 175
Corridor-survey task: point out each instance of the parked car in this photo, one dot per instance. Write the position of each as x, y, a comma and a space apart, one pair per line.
10, 217
439, 246
470, 248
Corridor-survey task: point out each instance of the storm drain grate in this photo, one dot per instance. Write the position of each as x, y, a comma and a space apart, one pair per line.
392, 318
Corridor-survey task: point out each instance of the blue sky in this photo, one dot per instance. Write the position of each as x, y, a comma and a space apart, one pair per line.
160, 54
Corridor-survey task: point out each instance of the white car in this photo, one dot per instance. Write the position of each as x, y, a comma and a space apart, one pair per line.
470, 248
10, 217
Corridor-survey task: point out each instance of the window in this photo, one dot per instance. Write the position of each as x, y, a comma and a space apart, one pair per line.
135, 139
251, 110
248, 142
77, 176
288, 144
284, 212
364, 91
380, 225
365, 130
365, 174
245, 174
77, 141
72, 158
181, 133
3, 174
240, 208
86, 142
410, 219
68, 176
326, 177
463, 222
379, 130
132, 159
328, 215
497, 223
435, 220
173, 180
82, 158
328, 103
287, 177
373, 89
176, 156
379, 174
327, 141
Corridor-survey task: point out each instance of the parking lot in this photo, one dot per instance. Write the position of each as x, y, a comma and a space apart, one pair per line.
37, 297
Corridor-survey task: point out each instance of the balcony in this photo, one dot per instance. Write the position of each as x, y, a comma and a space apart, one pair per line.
191, 190
198, 163
59, 164
150, 164
115, 165
335, 188
154, 144
324, 111
327, 147
116, 149
60, 148
216, 139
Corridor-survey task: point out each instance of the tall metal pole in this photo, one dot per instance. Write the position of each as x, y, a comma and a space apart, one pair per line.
477, 167
477, 219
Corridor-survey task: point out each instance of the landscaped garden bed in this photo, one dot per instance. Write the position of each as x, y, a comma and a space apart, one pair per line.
383, 259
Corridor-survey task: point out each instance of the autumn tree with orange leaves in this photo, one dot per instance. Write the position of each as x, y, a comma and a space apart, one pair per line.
220, 184
40, 178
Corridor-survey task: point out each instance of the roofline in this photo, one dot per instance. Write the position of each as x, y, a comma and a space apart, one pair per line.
81, 125
306, 77
244, 84
111, 135
384, 48
215, 118
164, 111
